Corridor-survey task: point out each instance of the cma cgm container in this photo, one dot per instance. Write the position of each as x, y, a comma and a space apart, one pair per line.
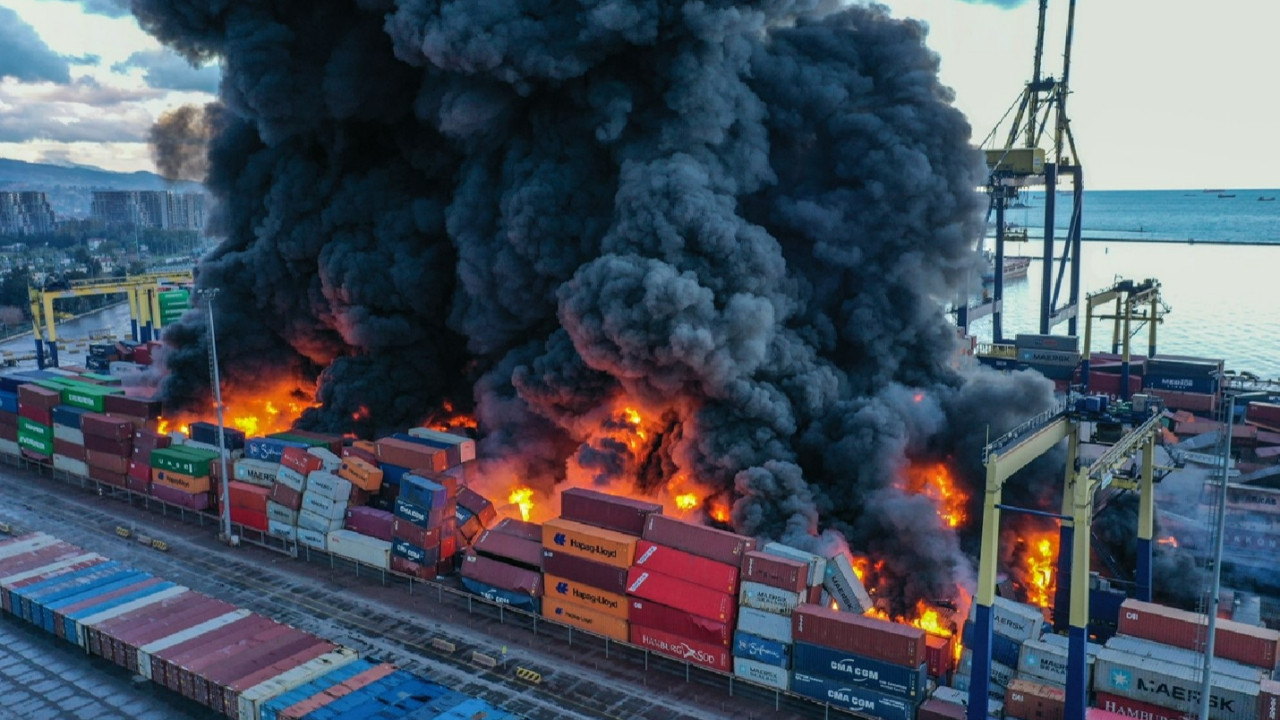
858, 634
849, 697
607, 511
1247, 644
1174, 686
857, 671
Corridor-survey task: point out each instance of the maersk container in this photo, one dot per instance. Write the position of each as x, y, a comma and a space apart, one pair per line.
1004, 649
314, 522
1188, 658
858, 671
1174, 686
710, 574
780, 572
761, 650
1001, 673
869, 637
678, 622
763, 673
324, 506
279, 529
1048, 661
682, 595
313, 539
270, 708
1232, 640
291, 479
255, 472
719, 545
768, 598
844, 586
1014, 620
849, 697
250, 701
281, 513
588, 572
765, 625
354, 546
328, 485
75, 627
715, 657
1129, 708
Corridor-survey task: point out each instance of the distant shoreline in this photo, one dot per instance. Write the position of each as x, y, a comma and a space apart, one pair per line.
1158, 241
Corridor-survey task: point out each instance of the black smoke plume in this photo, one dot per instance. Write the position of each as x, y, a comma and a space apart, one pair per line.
179, 142
745, 214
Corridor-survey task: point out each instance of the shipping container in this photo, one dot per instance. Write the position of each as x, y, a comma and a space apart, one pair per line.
269, 708
774, 571
765, 625
611, 512
678, 622
1063, 343
610, 625
1174, 686
77, 626
406, 530
477, 505
234, 689
869, 637
1046, 661
501, 575
1004, 650
313, 538
858, 671
1188, 658
509, 548
1014, 620
413, 569
1130, 708
370, 521
936, 709
939, 655
719, 545
154, 656
325, 507
354, 684
768, 598
354, 546
585, 595
817, 565
1034, 700
249, 497
710, 574
681, 595
841, 694
592, 543
588, 572
122, 635
464, 448
708, 655
361, 473
269, 449
519, 528
211, 686
415, 554
1246, 644
1269, 700
761, 650
958, 694
410, 454
844, 586
328, 485
762, 673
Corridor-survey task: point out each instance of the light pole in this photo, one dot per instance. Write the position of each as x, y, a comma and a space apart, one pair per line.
224, 502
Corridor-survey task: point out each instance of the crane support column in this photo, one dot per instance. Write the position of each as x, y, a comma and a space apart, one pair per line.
1081, 496
1066, 538
1146, 519
985, 599
1151, 332
997, 328
1077, 214
1046, 280
132, 294
1124, 360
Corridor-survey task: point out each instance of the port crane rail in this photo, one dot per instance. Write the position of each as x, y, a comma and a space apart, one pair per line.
1015, 450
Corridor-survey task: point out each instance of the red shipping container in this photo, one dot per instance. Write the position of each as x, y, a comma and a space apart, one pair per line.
232, 690
249, 497
425, 538
718, 545
110, 446
501, 575
138, 479
510, 548
363, 450
9, 432
869, 637
33, 455
678, 622
34, 413
132, 406
448, 482
286, 496
299, 460
1134, 708
1269, 700
107, 639
1028, 699
371, 522
698, 570
249, 518
448, 546
607, 511
170, 660
588, 572
413, 569
477, 505
110, 477
66, 448
174, 496
682, 595
935, 709
410, 455
31, 395
150, 440
332, 443
939, 655
211, 689
106, 426
115, 464
520, 529
776, 571
696, 653
1243, 643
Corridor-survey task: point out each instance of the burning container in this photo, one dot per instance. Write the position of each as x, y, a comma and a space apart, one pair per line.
611, 512
707, 542
511, 548
868, 637
842, 583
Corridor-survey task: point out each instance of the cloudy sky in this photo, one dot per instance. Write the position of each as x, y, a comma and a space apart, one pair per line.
1166, 93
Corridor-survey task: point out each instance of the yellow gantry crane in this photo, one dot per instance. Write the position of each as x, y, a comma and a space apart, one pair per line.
142, 291
1070, 421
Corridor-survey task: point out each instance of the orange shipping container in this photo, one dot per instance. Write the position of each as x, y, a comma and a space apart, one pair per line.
364, 475
593, 543
585, 618
598, 600
186, 483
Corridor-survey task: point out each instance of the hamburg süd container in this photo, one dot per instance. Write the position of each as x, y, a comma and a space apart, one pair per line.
869, 637
719, 545
1130, 708
501, 575
711, 574
715, 657
519, 528
678, 622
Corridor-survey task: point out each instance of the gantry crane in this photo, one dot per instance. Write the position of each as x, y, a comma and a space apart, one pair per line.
1068, 421
1135, 302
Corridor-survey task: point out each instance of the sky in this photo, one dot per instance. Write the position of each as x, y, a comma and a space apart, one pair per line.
1165, 94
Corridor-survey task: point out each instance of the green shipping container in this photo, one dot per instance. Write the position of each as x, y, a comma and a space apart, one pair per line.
35, 444
188, 461
308, 441
35, 429
88, 396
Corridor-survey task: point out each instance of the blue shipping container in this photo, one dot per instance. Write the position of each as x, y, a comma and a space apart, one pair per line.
422, 517
67, 416
447, 700
769, 652
503, 597
857, 671
269, 449
843, 695
423, 492
470, 709
392, 474
116, 582
413, 553
22, 597
1180, 383
1003, 650
271, 709
365, 701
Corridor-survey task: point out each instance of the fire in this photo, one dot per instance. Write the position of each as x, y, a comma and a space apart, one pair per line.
1171, 541
935, 482
361, 414
523, 498
1041, 552
687, 501
719, 511
447, 418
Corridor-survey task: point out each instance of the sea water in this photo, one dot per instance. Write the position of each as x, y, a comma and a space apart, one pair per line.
1217, 261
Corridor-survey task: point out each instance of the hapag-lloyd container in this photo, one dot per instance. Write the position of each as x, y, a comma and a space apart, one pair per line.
588, 572
869, 637
761, 650
1234, 641
607, 511
768, 598
677, 593
695, 569
361, 473
774, 571
1028, 699
585, 618
707, 542
1130, 708
858, 671
843, 695
515, 549
592, 543
715, 657
763, 673
585, 595
765, 625
678, 622
1174, 686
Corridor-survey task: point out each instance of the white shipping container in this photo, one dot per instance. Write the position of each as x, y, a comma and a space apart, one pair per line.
1173, 686
1187, 658
70, 465
1001, 674
1047, 661
68, 434
252, 699
311, 538
10, 447
81, 626
767, 625
329, 462
817, 564
362, 548
27, 544
256, 472
281, 513
770, 599
146, 651
124, 368
758, 672
51, 567
288, 531
466, 446
843, 584
308, 520
1014, 620
325, 507
958, 695
291, 478
326, 484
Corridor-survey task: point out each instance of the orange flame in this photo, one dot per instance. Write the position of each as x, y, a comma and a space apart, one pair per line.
1171, 541
935, 482
720, 510
361, 414
687, 501
523, 498
260, 412
447, 418
1041, 552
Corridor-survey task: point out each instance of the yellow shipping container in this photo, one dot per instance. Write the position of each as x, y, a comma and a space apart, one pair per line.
361, 473
585, 618
592, 543
585, 595
185, 483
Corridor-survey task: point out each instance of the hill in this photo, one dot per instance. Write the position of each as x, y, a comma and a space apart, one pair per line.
70, 187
